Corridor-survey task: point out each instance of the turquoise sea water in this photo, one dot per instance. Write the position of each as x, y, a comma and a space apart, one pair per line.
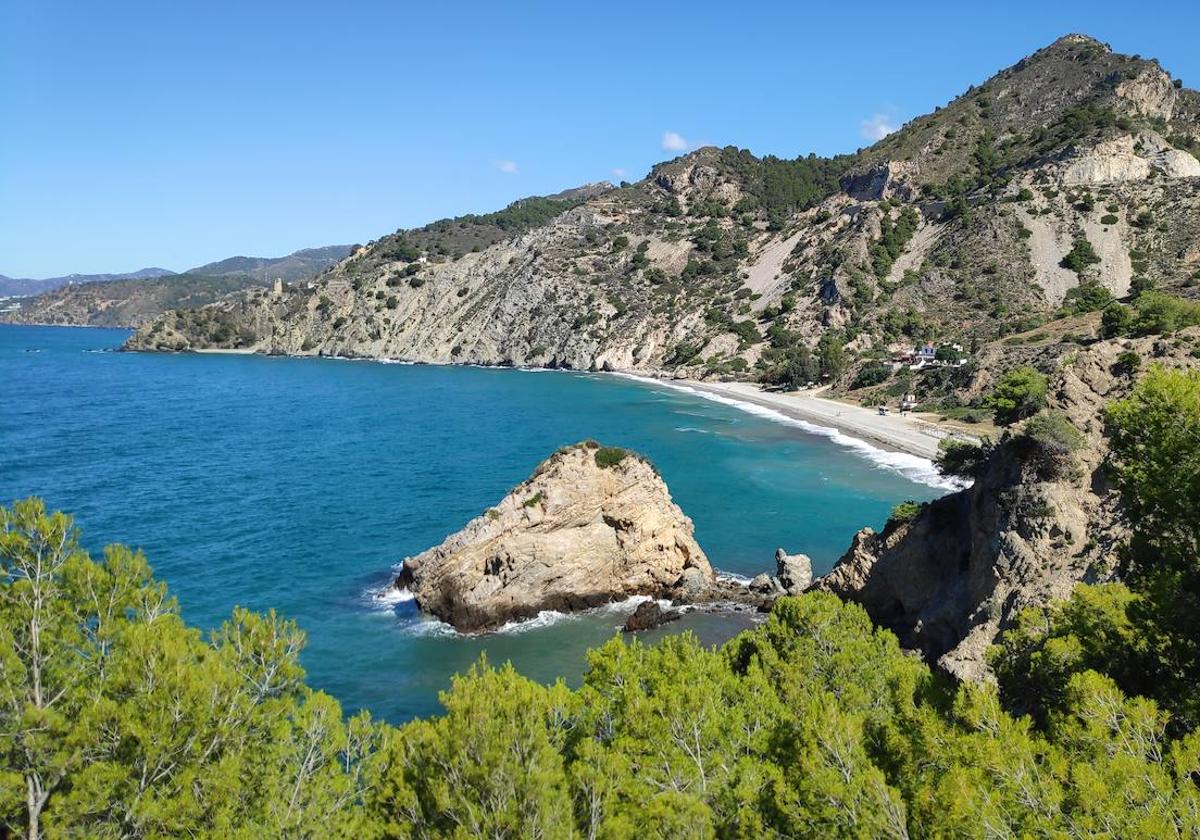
299, 483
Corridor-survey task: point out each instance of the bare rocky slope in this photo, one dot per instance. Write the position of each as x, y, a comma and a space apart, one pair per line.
1032, 525
718, 263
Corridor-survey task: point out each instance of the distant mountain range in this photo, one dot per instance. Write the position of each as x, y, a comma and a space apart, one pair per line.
130, 300
299, 265
24, 287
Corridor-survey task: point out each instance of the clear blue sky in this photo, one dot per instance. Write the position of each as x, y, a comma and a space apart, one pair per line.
174, 133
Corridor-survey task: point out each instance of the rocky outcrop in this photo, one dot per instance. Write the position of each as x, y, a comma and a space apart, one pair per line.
1129, 158
592, 525
648, 615
793, 571
1024, 534
1150, 93
793, 574
891, 180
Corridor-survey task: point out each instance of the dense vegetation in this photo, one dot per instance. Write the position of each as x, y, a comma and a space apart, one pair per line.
117, 719
776, 187
1144, 633
475, 231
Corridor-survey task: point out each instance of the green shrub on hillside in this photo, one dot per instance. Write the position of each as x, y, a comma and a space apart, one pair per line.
1051, 441
1020, 393
894, 236
960, 458
610, 456
1086, 297
1157, 313
872, 373
1115, 320
1081, 255
906, 511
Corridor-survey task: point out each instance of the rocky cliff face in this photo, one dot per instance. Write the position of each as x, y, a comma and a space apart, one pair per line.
950, 580
592, 525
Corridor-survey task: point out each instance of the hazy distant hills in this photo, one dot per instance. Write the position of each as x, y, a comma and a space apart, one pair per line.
296, 266
299, 265
23, 286
129, 300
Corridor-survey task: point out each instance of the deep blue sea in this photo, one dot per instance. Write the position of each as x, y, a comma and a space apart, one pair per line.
298, 484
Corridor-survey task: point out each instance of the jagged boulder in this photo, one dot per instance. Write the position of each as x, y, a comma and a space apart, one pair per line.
590, 526
793, 571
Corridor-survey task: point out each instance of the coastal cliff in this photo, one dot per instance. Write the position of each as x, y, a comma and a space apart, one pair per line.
1040, 517
1073, 170
592, 525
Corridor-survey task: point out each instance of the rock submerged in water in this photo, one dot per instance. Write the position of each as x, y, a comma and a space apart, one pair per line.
592, 525
649, 615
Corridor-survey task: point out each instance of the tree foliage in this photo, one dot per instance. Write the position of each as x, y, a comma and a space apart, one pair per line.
1081, 255
118, 720
1020, 393
1144, 633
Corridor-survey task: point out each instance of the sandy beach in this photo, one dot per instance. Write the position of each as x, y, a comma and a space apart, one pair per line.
909, 433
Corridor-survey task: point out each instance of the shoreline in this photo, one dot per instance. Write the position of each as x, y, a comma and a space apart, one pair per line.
901, 434
908, 435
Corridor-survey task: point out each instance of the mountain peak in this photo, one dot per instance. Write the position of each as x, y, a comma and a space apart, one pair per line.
1077, 38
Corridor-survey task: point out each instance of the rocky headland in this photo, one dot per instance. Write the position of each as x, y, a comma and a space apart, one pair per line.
1040, 517
592, 525
596, 524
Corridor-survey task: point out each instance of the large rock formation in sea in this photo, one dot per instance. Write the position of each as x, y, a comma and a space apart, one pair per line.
591, 525
1036, 522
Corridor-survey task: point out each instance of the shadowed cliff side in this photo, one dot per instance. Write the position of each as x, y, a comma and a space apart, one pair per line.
1036, 521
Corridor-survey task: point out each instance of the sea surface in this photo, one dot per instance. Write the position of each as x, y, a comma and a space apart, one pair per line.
299, 484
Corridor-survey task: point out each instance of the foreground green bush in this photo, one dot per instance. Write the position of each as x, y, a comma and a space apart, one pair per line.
118, 720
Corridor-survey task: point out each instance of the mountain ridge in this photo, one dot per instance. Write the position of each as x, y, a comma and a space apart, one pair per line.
958, 227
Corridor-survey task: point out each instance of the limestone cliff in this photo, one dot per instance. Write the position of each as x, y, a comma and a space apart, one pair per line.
951, 579
590, 526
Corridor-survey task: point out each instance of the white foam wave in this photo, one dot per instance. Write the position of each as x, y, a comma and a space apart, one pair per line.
733, 577
543, 619
912, 467
386, 361
386, 597
425, 626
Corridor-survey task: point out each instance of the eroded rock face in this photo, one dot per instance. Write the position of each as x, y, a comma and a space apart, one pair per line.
948, 582
582, 531
1129, 158
1150, 94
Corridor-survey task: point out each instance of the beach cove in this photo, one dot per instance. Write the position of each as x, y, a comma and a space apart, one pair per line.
299, 484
